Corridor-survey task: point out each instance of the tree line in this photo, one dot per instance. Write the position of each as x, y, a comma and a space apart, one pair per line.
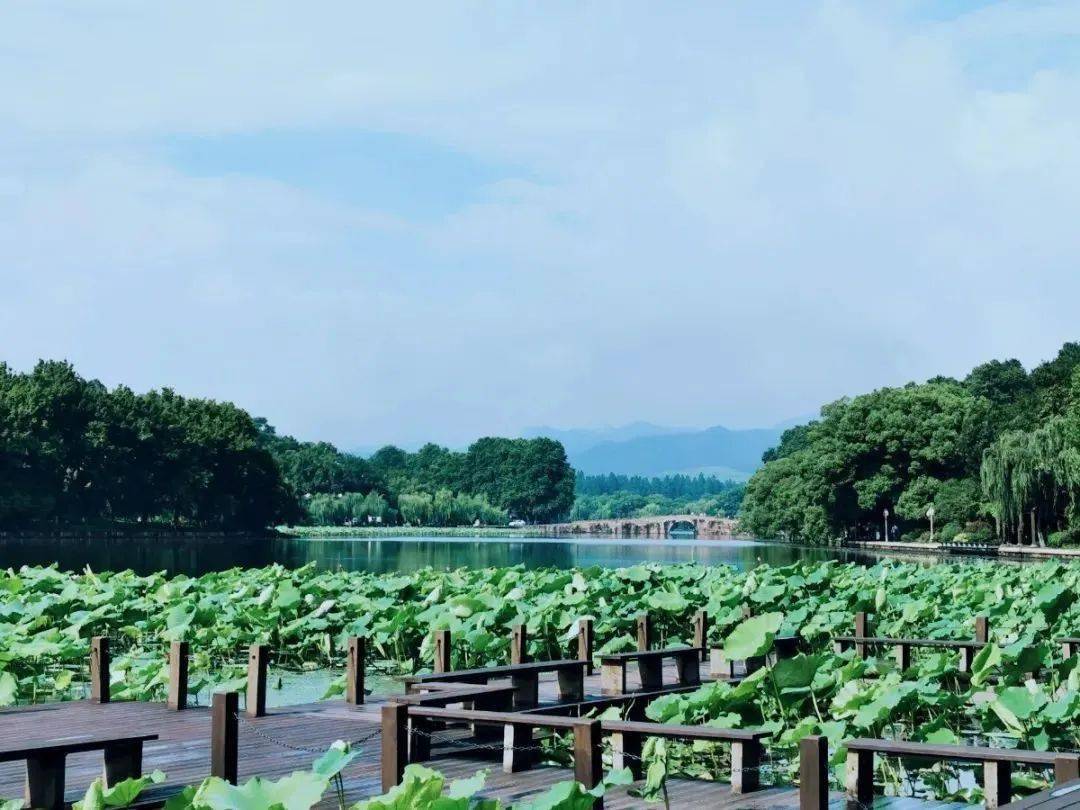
678, 485
994, 455
74, 453
604, 497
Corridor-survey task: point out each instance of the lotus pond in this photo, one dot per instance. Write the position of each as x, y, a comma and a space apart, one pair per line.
48, 616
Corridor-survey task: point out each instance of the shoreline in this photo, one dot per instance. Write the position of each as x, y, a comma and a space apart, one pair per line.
82, 535
956, 550
377, 532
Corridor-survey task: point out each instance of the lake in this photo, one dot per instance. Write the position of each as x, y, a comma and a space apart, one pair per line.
195, 556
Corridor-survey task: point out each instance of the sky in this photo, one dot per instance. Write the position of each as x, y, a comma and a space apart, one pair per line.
376, 222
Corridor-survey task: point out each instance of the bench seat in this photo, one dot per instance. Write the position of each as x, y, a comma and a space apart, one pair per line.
46, 762
650, 668
524, 677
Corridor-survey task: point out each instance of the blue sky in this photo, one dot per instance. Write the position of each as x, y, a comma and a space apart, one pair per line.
377, 223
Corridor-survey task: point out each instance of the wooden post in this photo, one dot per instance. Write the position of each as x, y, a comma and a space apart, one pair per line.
395, 740
526, 690
626, 746
588, 765
420, 729
754, 664
903, 657
651, 672
701, 633
719, 666
517, 748
688, 668
571, 684
982, 629
1066, 768
585, 644
862, 630
644, 632
745, 766
258, 660
354, 671
859, 779
997, 784
442, 651
613, 678
179, 652
814, 773
99, 669
519, 639
123, 762
45, 781
224, 736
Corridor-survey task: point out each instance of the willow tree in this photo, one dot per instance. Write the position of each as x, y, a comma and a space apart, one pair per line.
1036, 471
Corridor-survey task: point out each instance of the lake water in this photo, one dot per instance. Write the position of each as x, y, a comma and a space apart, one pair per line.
194, 556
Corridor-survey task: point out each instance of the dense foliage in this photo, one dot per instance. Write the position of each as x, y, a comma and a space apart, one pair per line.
620, 496
670, 486
74, 453
48, 617
492, 481
983, 452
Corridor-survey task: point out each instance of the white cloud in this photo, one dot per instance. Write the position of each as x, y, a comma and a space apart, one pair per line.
726, 213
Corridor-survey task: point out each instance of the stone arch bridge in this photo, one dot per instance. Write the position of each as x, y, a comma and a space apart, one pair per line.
659, 527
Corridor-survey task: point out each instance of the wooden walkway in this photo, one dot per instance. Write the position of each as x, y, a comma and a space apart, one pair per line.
289, 739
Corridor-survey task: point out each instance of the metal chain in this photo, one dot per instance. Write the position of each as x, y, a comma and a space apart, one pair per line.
458, 742
258, 732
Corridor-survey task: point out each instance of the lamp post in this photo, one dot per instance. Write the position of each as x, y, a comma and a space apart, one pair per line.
885, 512
930, 514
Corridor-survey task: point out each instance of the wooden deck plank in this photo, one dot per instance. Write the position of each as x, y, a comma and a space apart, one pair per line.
289, 739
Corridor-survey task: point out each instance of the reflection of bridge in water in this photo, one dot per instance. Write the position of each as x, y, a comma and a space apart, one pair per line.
659, 527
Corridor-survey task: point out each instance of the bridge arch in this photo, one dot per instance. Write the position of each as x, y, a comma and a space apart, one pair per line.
680, 526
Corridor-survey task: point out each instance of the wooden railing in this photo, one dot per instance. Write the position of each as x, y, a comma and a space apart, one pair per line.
997, 765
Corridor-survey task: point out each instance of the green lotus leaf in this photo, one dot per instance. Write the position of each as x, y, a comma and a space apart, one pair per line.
753, 637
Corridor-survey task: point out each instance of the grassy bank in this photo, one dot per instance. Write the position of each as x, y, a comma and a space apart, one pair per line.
318, 532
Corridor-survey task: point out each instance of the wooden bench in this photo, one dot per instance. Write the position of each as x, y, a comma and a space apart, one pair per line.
903, 646
628, 737
489, 697
524, 677
650, 665
46, 762
997, 765
400, 722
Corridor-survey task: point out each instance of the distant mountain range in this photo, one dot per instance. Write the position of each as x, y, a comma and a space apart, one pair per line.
642, 448
578, 440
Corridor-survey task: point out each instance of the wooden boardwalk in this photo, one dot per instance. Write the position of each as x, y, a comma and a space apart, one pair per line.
289, 739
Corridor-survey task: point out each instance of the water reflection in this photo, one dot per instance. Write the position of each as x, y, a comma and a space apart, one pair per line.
195, 556
176, 555
407, 554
